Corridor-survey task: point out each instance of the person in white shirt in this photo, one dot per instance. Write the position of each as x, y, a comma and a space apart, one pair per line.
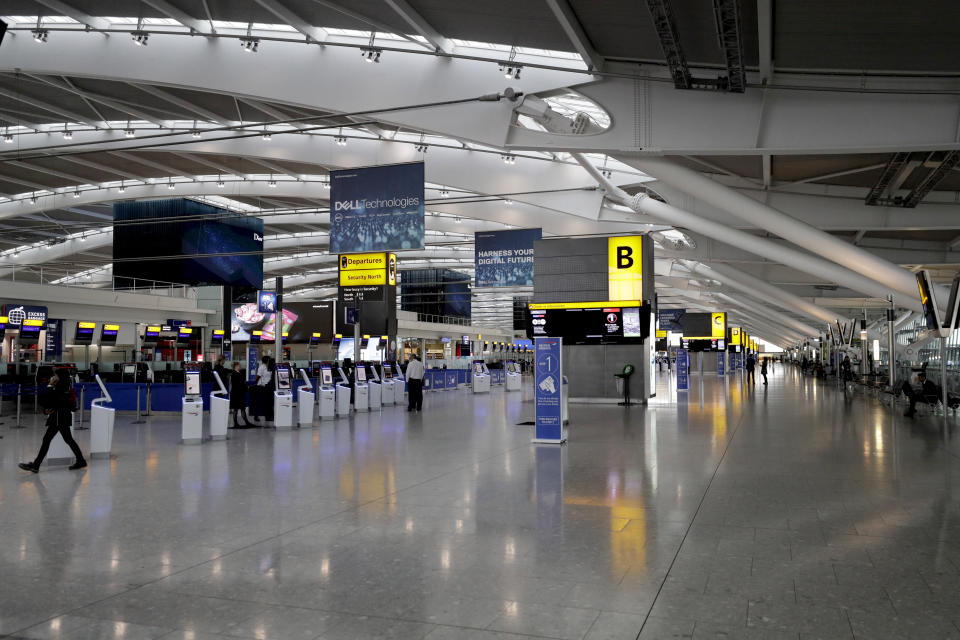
262, 404
414, 376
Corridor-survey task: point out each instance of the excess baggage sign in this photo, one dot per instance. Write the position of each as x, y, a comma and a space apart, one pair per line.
377, 208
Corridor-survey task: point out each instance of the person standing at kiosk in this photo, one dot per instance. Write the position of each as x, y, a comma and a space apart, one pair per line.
262, 405
238, 397
415, 383
58, 405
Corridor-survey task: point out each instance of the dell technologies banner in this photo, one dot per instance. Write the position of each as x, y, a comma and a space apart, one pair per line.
505, 258
376, 208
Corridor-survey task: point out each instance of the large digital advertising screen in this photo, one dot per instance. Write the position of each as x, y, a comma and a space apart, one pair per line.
186, 242
590, 325
300, 321
377, 208
504, 258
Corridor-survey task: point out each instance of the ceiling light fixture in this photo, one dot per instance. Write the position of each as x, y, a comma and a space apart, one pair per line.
421, 148
67, 134
33, 199
509, 158
370, 54
129, 133
170, 185
341, 141
40, 35
76, 194
266, 135
196, 133
250, 45
8, 138
507, 201
272, 183
444, 193
140, 37
121, 188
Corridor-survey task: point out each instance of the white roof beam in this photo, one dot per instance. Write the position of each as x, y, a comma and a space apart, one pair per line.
98, 24
91, 214
314, 34
182, 103
199, 159
275, 168
571, 26
171, 11
412, 17
83, 162
87, 95
170, 171
50, 172
40, 104
376, 24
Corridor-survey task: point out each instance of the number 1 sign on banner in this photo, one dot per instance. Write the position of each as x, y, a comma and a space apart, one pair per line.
549, 390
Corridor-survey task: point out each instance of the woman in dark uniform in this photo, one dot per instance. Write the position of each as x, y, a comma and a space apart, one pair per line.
238, 397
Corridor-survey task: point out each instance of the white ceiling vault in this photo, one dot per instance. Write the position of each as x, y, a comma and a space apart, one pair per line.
807, 177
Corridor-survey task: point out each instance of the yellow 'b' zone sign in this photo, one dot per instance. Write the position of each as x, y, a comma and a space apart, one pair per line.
625, 267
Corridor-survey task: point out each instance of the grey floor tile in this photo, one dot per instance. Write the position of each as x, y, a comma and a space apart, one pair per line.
567, 623
615, 626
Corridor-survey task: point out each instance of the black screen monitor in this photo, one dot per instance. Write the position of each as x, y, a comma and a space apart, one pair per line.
84, 333
30, 331
151, 335
108, 334
931, 313
216, 338
315, 338
184, 335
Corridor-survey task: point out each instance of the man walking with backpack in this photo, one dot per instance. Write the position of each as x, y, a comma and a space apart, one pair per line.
58, 403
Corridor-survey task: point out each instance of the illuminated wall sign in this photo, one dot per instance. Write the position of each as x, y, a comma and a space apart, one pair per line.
718, 325
735, 336
360, 269
625, 268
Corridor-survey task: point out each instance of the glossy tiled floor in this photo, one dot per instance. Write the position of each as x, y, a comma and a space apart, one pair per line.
786, 512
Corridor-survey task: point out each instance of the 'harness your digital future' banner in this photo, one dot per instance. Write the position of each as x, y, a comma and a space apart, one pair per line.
504, 258
377, 208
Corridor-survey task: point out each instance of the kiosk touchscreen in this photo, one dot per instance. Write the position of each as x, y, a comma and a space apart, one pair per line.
513, 377
306, 400
283, 398
343, 393
481, 377
191, 426
361, 390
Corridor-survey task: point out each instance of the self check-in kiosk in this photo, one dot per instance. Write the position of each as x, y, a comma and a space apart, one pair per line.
399, 384
306, 400
513, 376
191, 421
327, 404
388, 393
219, 410
481, 377
374, 384
101, 423
343, 393
361, 390
283, 398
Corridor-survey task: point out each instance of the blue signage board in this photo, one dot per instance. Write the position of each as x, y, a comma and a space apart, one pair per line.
377, 208
504, 258
669, 319
451, 378
683, 370
54, 347
252, 363
17, 313
549, 390
267, 301
721, 360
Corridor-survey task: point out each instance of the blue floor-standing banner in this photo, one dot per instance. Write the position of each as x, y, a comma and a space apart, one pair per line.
549, 390
721, 360
683, 370
253, 362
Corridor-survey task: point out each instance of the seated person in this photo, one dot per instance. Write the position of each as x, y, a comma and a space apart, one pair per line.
928, 393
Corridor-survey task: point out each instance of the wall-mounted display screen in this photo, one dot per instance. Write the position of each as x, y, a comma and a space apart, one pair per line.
30, 331
216, 338
3, 323
704, 326
184, 335
931, 312
212, 246
592, 325
315, 338
151, 334
108, 334
256, 337
84, 333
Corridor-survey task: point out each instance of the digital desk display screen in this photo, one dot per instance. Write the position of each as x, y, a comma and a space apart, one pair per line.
326, 376
315, 339
478, 368
284, 336
30, 331
361, 373
256, 337
192, 383
217, 337
183, 335
151, 335
3, 323
84, 334
283, 377
108, 334
597, 325
129, 369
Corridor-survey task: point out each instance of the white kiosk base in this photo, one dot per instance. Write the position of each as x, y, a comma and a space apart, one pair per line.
343, 400
327, 408
191, 421
101, 431
513, 381
400, 390
388, 394
361, 397
219, 417
305, 404
282, 410
375, 394
481, 383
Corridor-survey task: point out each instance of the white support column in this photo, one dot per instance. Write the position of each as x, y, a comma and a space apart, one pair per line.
766, 217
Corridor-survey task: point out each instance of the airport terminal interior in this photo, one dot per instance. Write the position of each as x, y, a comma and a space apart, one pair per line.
422, 319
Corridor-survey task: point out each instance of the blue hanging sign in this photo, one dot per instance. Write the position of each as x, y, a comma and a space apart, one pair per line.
549, 390
683, 370
252, 363
267, 301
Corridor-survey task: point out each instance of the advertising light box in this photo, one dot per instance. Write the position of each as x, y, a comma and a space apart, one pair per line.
504, 258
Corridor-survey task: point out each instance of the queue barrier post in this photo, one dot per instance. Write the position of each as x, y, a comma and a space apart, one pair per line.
83, 395
139, 419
